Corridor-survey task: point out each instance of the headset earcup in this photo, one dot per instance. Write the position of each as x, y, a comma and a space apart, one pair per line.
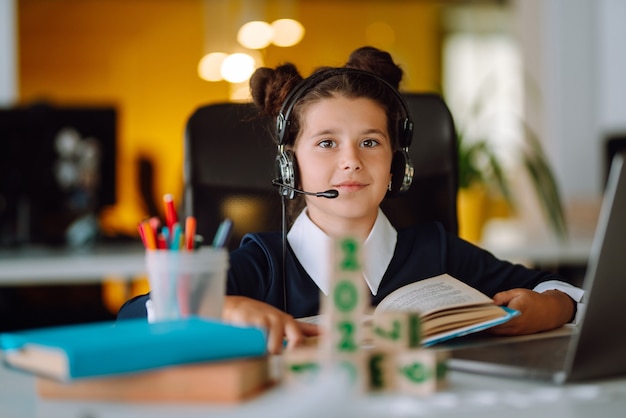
401, 173
405, 132
286, 171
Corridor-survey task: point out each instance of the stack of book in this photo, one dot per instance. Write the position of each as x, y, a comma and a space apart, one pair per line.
187, 360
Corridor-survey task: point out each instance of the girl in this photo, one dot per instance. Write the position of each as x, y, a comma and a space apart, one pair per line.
341, 130
343, 135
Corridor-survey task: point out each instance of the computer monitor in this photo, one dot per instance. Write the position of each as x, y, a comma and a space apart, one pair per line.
57, 164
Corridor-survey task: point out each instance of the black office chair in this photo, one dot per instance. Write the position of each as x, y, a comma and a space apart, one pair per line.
433, 193
229, 167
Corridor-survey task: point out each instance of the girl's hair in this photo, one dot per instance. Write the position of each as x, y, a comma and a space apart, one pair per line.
270, 87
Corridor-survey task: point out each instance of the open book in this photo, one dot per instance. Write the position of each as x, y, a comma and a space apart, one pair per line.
448, 308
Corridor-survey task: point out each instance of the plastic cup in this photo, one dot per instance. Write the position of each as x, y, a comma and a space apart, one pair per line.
187, 283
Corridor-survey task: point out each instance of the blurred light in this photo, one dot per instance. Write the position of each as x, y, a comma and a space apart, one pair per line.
287, 32
237, 67
210, 66
255, 35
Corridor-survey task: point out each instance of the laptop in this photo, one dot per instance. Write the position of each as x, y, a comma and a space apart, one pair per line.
595, 348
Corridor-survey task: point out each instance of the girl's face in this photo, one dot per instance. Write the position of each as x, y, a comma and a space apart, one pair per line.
344, 145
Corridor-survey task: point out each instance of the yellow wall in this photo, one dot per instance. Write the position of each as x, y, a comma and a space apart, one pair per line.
141, 56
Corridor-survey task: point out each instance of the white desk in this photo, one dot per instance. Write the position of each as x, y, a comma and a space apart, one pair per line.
468, 396
43, 265
574, 252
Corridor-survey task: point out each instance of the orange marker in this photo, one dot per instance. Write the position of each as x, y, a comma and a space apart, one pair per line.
190, 232
149, 235
155, 224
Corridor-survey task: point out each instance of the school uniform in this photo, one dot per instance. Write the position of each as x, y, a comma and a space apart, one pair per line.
390, 259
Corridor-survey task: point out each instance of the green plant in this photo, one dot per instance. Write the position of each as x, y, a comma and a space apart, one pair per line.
487, 120
543, 180
480, 164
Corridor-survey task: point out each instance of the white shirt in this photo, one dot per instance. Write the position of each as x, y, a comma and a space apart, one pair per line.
307, 241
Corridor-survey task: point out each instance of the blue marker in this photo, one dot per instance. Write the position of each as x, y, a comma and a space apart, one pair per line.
176, 235
165, 231
223, 233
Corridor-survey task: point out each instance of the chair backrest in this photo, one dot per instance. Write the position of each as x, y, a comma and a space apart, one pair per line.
229, 166
434, 153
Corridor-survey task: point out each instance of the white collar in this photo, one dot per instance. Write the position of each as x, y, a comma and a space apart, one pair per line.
310, 244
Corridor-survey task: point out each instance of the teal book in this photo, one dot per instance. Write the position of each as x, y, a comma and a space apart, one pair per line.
507, 315
107, 348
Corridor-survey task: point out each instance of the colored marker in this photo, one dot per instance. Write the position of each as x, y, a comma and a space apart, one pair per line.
197, 241
171, 217
223, 233
149, 235
161, 242
176, 235
190, 232
165, 232
155, 224
142, 234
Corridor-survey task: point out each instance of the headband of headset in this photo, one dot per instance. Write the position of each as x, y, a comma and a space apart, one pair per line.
283, 121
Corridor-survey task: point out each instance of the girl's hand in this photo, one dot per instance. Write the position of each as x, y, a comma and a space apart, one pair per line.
279, 325
539, 311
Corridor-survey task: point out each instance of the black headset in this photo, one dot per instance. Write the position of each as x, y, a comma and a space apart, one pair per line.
286, 164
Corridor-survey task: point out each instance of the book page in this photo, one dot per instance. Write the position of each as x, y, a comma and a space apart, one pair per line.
469, 329
47, 361
439, 324
464, 311
430, 295
313, 319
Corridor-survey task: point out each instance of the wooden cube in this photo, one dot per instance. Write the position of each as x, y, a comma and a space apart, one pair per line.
347, 301
420, 371
351, 369
380, 370
301, 365
396, 330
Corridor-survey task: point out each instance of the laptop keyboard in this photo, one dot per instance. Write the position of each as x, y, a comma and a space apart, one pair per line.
545, 354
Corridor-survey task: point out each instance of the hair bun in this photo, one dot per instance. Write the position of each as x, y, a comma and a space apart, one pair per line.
376, 61
269, 87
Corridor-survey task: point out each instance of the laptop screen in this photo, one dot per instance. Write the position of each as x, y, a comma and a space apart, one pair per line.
599, 347
596, 348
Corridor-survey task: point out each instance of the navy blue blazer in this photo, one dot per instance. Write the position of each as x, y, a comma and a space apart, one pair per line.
421, 252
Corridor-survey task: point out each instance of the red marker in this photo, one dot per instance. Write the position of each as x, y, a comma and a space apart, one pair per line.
170, 211
142, 234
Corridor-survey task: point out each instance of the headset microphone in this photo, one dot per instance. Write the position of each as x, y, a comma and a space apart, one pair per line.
329, 194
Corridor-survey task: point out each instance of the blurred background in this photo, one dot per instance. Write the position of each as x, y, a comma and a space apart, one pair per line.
114, 81
555, 65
